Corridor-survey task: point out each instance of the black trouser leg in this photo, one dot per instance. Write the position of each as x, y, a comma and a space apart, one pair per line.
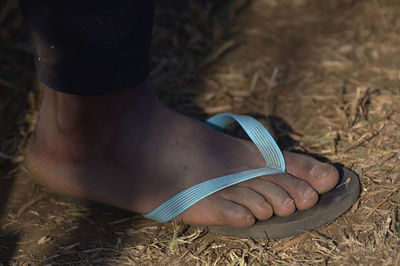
90, 46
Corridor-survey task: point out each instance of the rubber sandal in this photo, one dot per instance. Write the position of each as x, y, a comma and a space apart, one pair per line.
330, 205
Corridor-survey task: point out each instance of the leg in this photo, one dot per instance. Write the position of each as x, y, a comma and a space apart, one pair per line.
77, 42
126, 149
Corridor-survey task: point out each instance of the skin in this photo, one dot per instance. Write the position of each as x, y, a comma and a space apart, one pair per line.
127, 149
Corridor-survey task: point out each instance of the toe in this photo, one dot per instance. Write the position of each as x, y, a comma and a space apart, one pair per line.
275, 195
250, 199
235, 215
321, 176
214, 211
303, 194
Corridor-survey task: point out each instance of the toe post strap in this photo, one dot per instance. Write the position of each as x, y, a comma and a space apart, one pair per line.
257, 133
265, 143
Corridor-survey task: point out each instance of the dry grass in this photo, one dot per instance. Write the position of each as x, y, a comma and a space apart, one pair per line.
325, 75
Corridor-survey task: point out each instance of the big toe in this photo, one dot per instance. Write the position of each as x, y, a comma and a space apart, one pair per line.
321, 176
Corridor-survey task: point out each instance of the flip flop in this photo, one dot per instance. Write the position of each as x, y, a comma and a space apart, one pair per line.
330, 205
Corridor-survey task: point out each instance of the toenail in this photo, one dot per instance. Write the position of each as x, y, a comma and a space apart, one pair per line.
249, 218
320, 170
266, 205
287, 201
309, 193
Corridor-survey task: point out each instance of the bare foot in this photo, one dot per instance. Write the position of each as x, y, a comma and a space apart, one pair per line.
130, 151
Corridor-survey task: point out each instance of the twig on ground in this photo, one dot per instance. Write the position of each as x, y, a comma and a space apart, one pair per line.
291, 242
378, 205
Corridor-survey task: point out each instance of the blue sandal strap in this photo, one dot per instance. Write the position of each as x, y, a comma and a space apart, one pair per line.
275, 163
257, 133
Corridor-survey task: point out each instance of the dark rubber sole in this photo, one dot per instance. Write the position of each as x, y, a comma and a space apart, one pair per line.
330, 206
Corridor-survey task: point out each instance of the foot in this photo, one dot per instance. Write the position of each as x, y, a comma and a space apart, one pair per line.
130, 151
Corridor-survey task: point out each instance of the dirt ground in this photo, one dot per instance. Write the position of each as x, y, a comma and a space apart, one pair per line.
324, 74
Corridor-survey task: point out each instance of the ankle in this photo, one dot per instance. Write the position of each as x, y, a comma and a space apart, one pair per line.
82, 112
74, 125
